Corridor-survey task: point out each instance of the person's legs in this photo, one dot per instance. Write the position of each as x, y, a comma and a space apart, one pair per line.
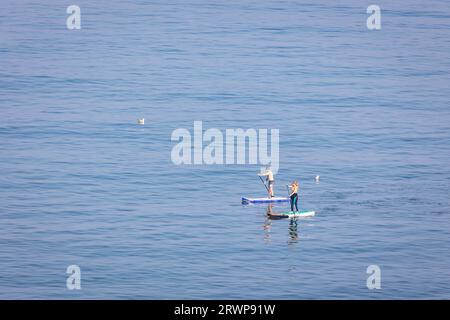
296, 199
292, 203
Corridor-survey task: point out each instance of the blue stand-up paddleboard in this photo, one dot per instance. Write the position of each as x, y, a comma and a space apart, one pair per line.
264, 200
292, 214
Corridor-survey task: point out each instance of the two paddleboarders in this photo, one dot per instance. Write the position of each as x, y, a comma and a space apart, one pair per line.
292, 191
270, 180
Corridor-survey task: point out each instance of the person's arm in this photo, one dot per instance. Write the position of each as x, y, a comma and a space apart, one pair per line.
263, 174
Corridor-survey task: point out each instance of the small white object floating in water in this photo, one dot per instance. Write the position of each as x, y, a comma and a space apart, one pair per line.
317, 179
141, 121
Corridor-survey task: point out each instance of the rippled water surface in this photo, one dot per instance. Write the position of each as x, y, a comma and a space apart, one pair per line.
81, 183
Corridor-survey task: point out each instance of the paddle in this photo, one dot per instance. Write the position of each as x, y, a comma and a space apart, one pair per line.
264, 183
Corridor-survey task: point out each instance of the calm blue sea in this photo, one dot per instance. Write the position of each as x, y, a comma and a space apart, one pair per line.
82, 184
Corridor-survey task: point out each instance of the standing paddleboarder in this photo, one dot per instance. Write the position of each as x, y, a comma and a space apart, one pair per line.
294, 195
269, 177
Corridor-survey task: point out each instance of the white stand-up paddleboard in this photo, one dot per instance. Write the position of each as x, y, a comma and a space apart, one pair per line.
292, 214
264, 200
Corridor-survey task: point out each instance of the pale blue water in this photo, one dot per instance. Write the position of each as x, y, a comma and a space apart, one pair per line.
81, 183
